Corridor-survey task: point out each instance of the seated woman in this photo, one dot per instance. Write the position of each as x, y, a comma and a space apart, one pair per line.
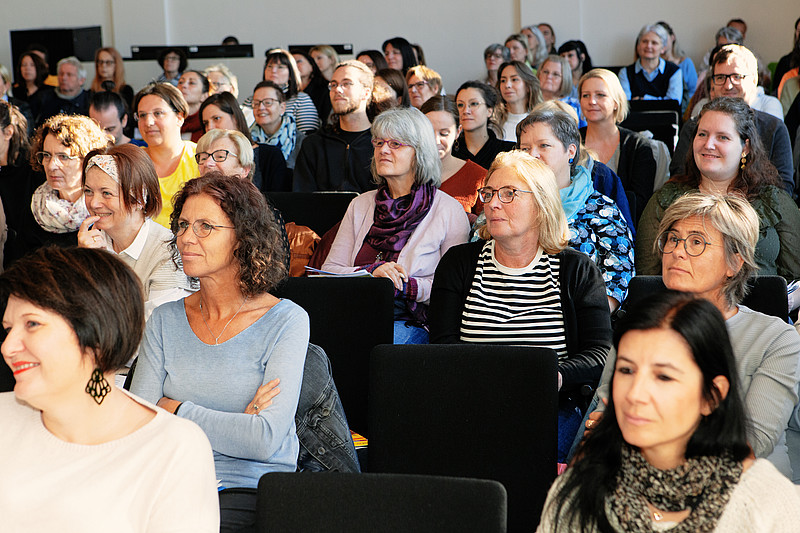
273, 125
517, 46
51, 212
671, 452
519, 92
173, 62
72, 317
650, 77
194, 87
460, 179
728, 157
120, 187
394, 80
478, 142
221, 79
30, 76
476, 291
766, 349
401, 230
15, 175
314, 84
373, 59
555, 79
596, 225
579, 62
221, 111
160, 110
626, 152
423, 84
281, 68
674, 54
109, 66
216, 356
326, 59
495, 55
537, 45
399, 54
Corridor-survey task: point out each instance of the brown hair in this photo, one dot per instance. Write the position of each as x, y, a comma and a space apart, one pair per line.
259, 249
119, 70
95, 292
167, 92
78, 132
138, 181
18, 145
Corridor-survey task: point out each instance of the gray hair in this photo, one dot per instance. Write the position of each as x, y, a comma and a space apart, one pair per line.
72, 60
542, 50
566, 73
737, 221
225, 71
492, 48
245, 149
658, 30
5, 75
563, 125
732, 35
409, 126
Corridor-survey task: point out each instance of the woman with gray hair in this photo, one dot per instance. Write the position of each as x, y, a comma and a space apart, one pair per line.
707, 244
495, 55
537, 45
651, 77
402, 229
555, 80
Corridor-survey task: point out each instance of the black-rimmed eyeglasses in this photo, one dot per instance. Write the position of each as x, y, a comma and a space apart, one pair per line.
694, 244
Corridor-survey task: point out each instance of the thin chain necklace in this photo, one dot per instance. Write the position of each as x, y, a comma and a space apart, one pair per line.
217, 337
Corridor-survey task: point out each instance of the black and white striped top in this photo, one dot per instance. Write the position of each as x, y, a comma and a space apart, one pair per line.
515, 305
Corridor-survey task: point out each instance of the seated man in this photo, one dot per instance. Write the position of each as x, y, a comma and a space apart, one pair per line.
69, 98
108, 109
734, 73
338, 156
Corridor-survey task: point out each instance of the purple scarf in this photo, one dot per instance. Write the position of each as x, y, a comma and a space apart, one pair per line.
396, 219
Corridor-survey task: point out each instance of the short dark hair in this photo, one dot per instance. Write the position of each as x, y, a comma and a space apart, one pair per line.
441, 103
95, 292
285, 58
490, 95
203, 78
269, 84
167, 92
260, 251
227, 103
163, 54
395, 79
138, 180
580, 48
102, 100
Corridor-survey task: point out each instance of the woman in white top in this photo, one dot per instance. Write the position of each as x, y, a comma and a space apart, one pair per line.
80, 454
520, 92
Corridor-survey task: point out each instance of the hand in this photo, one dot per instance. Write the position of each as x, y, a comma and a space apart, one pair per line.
394, 272
168, 404
594, 419
90, 238
263, 397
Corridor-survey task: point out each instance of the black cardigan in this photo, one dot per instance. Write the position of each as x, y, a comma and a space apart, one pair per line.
587, 322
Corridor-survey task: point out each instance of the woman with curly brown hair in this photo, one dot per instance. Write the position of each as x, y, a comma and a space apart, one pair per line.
216, 357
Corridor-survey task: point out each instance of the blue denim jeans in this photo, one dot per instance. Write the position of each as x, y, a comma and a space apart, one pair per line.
405, 334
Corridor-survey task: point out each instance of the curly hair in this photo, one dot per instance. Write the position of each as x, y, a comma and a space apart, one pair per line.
758, 172
259, 244
77, 132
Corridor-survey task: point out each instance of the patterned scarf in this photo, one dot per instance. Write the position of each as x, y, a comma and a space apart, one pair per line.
55, 214
702, 484
285, 137
396, 218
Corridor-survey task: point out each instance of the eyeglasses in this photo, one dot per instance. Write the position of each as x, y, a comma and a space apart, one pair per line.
44, 158
494, 56
157, 115
217, 84
722, 79
105, 62
393, 145
346, 84
172, 58
417, 86
473, 106
201, 228
505, 194
217, 155
695, 244
266, 102
551, 73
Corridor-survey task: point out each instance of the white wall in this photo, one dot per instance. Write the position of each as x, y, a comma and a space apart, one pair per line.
453, 33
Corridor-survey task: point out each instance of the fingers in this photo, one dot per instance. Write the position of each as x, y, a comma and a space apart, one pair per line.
88, 222
90, 238
263, 397
388, 270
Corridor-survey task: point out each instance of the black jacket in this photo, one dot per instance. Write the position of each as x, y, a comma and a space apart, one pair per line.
328, 162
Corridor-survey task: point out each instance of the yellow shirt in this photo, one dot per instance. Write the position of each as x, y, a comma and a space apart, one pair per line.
186, 170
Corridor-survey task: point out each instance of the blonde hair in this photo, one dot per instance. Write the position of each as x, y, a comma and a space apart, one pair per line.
540, 180
246, 156
428, 74
614, 90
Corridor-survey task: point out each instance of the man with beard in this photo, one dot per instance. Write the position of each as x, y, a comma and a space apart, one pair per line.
338, 156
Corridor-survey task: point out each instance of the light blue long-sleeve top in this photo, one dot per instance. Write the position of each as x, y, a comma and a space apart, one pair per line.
674, 90
217, 382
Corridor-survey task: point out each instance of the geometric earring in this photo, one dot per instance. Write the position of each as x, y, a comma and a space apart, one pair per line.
98, 386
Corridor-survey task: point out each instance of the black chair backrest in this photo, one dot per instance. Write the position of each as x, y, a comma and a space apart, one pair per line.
655, 105
324, 502
662, 124
482, 411
349, 316
767, 294
319, 211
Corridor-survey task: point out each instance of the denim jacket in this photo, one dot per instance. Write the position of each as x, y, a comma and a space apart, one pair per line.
325, 441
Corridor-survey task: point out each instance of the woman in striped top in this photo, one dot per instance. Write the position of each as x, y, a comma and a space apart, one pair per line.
523, 285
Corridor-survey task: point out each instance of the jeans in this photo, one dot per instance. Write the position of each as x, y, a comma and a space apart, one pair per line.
405, 334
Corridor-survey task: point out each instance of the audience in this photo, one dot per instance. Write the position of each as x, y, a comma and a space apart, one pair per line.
274, 126
337, 157
495, 55
281, 68
30, 75
520, 92
109, 67
674, 54
579, 61
555, 79
399, 54
173, 62
160, 110
16, 182
538, 49
650, 77
401, 230
69, 98
110, 111
194, 87
226, 237
314, 84
325, 58
221, 79
373, 59
476, 103
477, 289
549, 35
80, 453
672, 450
517, 46
423, 83
789, 61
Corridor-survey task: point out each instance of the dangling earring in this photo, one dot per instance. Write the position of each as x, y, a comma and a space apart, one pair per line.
744, 160
98, 386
